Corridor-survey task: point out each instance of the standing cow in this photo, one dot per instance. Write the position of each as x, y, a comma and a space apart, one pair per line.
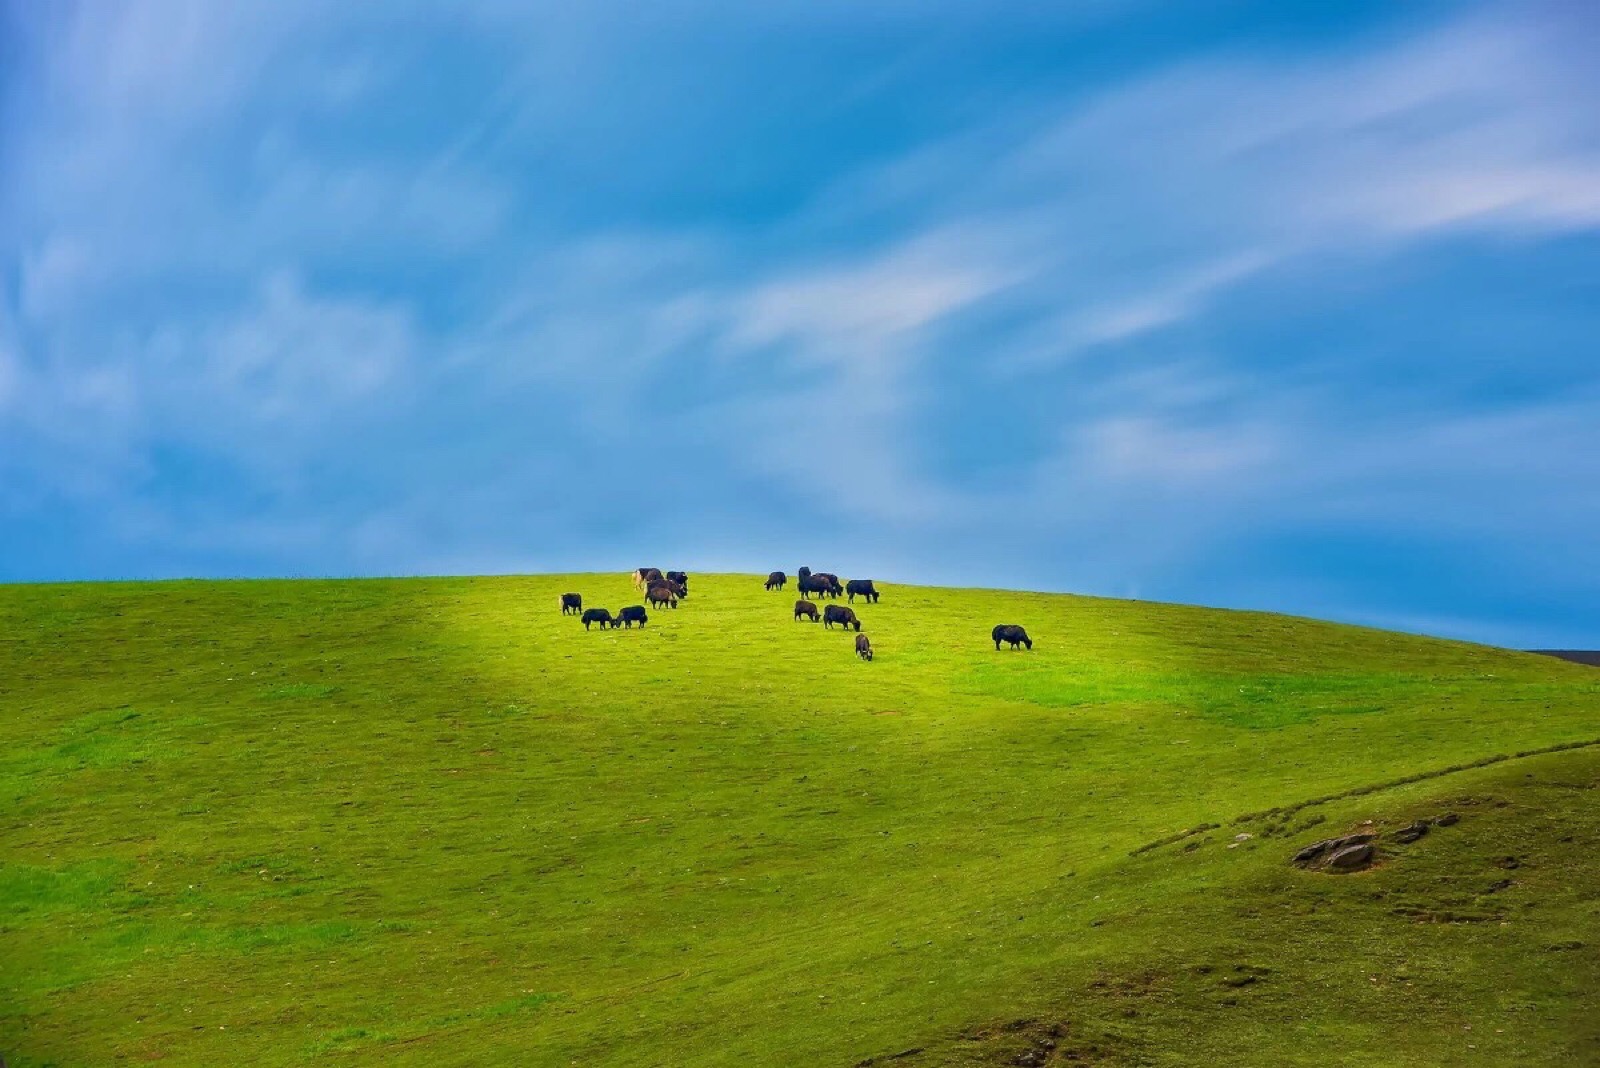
863, 587
662, 594
838, 613
630, 615
805, 610
1010, 632
776, 580
830, 582
682, 579
809, 584
646, 575
571, 604
600, 616
863, 647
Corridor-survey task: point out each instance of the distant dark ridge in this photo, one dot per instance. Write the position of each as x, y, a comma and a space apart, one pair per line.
1577, 656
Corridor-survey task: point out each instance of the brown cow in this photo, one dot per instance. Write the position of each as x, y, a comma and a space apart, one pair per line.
805, 609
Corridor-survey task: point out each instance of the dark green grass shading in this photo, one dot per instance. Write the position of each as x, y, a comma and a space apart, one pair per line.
434, 822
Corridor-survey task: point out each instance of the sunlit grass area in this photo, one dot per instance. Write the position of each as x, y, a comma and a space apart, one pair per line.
436, 822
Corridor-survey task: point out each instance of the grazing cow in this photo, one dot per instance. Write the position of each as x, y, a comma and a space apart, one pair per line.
838, 613
677, 588
805, 610
1008, 632
600, 616
777, 580
571, 604
863, 587
662, 594
630, 615
831, 583
863, 647
809, 584
682, 579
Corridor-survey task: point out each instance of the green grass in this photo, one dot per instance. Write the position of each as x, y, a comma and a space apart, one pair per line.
434, 822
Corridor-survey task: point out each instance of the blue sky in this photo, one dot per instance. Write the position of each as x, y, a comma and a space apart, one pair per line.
1278, 305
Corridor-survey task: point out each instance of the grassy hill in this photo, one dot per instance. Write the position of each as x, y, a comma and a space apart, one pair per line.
433, 822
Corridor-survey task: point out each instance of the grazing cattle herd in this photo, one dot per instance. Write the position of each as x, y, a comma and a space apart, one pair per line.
664, 589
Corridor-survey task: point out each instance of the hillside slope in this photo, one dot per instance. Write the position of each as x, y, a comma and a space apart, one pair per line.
435, 822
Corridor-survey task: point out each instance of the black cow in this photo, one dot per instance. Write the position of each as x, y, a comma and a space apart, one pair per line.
630, 615
662, 594
682, 579
863, 587
832, 586
809, 584
838, 613
571, 604
863, 647
646, 575
1009, 632
600, 616
776, 580
806, 610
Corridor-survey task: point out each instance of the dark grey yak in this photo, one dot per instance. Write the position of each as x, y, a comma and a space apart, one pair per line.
838, 613
862, 588
1010, 632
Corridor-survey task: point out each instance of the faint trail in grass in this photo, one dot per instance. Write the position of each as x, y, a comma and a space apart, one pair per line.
1363, 791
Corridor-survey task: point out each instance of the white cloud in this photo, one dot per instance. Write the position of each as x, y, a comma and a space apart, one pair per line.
849, 311
295, 357
1132, 449
1135, 209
